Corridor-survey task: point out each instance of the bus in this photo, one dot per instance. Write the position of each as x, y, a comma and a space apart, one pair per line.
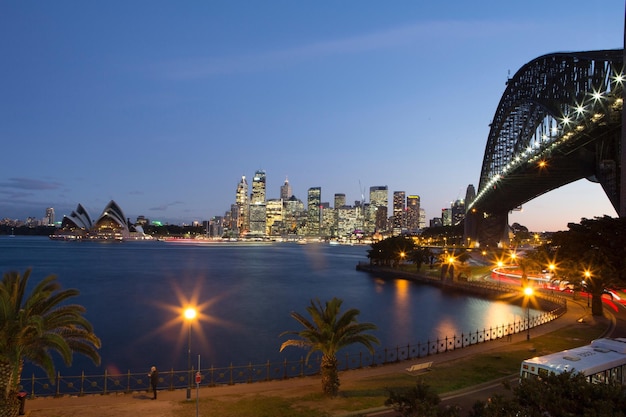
602, 361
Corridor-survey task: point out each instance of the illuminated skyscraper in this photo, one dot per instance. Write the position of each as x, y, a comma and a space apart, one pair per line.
258, 209
413, 213
241, 200
285, 190
258, 188
340, 200
399, 218
314, 200
378, 208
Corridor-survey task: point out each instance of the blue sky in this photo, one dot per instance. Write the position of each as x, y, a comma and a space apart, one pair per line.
163, 106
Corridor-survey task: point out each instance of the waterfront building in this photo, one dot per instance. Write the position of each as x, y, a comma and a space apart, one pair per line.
413, 213
111, 225
232, 217
274, 216
258, 219
48, 219
214, 227
349, 221
241, 199
328, 227
314, 199
399, 218
78, 220
294, 216
378, 212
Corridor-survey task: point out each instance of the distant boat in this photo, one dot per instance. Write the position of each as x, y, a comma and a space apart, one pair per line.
12, 232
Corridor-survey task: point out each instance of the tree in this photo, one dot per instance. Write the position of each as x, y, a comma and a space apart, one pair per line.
420, 255
565, 394
34, 325
597, 246
421, 400
328, 332
390, 250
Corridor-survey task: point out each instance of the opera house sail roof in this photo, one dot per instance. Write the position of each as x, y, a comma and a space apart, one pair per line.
111, 224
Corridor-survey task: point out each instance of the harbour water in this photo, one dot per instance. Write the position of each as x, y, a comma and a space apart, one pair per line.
134, 292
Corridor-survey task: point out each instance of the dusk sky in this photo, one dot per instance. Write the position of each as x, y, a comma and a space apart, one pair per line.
163, 106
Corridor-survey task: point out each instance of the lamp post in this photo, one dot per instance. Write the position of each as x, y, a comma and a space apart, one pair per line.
528, 291
190, 314
587, 278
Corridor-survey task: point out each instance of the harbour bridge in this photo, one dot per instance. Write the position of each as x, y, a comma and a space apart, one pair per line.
558, 121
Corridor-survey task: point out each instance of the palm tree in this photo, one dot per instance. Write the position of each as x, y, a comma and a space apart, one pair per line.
328, 333
34, 325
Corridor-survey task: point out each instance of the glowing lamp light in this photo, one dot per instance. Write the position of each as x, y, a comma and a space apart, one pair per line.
190, 313
528, 291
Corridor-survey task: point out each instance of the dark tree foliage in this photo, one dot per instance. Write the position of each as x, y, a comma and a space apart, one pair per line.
453, 234
421, 400
592, 255
391, 250
565, 394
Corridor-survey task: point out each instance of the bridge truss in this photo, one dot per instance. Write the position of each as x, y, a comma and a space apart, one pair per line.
559, 120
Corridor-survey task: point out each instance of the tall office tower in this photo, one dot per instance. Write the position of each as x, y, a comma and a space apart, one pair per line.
294, 215
241, 199
258, 188
285, 190
348, 221
470, 195
399, 218
413, 213
458, 212
258, 219
314, 199
379, 206
274, 217
49, 219
340, 200
446, 217
422, 223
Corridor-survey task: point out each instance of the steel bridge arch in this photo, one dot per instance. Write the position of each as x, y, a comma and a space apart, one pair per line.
561, 110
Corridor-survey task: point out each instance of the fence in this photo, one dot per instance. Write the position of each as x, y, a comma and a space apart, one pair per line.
133, 382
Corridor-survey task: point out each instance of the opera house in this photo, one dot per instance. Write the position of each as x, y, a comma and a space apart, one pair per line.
111, 225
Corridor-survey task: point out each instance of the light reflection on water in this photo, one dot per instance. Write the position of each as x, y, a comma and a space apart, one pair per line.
132, 290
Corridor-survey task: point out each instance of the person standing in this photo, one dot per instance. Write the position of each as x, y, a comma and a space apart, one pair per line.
154, 381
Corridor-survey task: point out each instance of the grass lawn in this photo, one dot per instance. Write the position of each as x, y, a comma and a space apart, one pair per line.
372, 392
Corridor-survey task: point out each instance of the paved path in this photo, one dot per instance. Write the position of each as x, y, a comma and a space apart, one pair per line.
140, 403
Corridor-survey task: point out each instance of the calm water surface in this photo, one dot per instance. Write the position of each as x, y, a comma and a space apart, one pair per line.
133, 293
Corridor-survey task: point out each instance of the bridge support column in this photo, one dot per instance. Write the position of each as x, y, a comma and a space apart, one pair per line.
491, 231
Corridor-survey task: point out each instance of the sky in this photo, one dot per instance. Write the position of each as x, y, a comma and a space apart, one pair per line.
163, 106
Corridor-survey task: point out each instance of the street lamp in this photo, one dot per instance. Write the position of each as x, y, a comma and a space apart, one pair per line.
528, 291
190, 314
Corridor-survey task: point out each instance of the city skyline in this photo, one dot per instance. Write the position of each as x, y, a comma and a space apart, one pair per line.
164, 107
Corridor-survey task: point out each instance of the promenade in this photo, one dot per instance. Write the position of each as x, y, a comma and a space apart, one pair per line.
169, 403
